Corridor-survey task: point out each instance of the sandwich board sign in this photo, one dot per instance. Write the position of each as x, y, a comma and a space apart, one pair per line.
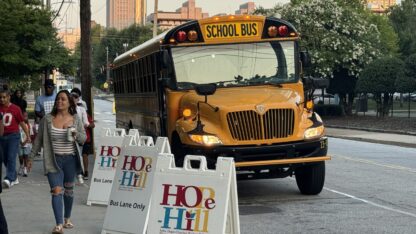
109, 149
129, 201
194, 201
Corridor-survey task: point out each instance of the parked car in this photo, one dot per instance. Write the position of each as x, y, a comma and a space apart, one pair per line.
326, 99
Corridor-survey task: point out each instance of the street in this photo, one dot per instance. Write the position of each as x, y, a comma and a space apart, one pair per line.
369, 189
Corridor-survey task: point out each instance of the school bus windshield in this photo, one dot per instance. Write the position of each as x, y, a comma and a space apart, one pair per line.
235, 64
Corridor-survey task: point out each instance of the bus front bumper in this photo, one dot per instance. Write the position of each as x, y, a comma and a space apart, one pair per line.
280, 155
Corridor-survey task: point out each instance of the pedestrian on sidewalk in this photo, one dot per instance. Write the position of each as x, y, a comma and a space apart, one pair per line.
58, 133
82, 114
25, 148
3, 222
44, 103
18, 100
10, 141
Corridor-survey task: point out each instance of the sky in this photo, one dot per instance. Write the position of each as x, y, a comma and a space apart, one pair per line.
69, 14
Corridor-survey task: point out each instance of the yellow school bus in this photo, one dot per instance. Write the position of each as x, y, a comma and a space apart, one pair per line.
230, 86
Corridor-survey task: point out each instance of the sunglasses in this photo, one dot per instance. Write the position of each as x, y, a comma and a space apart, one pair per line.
74, 95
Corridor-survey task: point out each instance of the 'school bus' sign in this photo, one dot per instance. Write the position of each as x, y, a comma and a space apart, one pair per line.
232, 30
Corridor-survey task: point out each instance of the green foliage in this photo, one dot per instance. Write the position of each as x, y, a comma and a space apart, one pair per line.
114, 40
389, 40
380, 75
28, 41
407, 83
403, 18
336, 33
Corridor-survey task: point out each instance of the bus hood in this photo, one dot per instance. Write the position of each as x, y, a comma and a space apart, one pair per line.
247, 97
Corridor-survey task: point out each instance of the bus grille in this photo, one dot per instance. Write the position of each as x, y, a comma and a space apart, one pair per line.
249, 125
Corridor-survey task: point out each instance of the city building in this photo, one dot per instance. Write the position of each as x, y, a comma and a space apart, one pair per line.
187, 12
246, 8
70, 37
123, 13
380, 6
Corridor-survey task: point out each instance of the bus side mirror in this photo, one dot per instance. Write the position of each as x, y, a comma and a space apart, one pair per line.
205, 89
305, 58
166, 62
315, 83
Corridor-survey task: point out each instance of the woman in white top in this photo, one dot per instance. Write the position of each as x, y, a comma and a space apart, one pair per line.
58, 132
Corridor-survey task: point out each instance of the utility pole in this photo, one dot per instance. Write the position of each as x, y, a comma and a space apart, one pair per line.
85, 16
155, 20
108, 68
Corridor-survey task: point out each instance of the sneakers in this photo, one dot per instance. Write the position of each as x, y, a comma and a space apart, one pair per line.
15, 182
86, 175
25, 172
80, 179
7, 183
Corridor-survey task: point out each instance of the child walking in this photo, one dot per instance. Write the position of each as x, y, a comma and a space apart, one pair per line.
25, 148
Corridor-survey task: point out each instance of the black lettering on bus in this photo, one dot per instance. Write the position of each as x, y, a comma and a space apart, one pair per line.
235, 30
254, 28
209, 33
243, 30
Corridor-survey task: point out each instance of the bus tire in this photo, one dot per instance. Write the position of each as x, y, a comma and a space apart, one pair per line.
178, 150
310, 178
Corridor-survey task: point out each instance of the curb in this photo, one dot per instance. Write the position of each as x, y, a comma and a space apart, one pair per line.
395, 143
372, 130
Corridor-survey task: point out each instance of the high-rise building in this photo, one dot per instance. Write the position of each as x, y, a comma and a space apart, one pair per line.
123, 13
380, 6
246, 8
187, 12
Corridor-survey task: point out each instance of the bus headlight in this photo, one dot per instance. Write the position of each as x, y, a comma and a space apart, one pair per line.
205, 139
314, 132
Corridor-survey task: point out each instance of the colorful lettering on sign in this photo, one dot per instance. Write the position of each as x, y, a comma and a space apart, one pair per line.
134, 172
108, 157
187, 207
214, 31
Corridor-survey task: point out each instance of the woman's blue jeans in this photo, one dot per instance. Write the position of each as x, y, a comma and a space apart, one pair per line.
63, 179
11, 145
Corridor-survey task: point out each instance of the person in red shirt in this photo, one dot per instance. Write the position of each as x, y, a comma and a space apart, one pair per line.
10, 141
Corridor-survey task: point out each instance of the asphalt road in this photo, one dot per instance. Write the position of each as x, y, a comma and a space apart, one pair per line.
369, 189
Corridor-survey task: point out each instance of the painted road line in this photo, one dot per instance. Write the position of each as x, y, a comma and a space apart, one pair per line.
371, 203
391, 166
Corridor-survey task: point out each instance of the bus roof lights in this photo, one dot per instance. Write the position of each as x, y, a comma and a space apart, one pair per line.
181, 36
272, 31
283, 31
192, 35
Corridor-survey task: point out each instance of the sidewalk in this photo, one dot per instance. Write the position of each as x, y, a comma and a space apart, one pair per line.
28, 209
406, 140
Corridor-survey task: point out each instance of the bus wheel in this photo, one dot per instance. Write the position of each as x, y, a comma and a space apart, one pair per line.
310, 178
178, 150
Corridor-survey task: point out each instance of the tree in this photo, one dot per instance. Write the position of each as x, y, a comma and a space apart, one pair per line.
407, 83
28, 42
379, 78
339, 37
114, 40
403, 18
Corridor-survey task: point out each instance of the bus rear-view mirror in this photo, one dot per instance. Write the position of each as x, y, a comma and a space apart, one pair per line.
315, 83
305, 58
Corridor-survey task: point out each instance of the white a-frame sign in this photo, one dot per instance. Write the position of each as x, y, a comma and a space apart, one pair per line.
128, 205
107, 153
188, 200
